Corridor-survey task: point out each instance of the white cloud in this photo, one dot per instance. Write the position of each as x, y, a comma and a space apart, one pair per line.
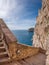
11, 11
9, 6
25, 24
4, 8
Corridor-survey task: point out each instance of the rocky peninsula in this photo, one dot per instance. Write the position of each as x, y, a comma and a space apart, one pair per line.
31, 30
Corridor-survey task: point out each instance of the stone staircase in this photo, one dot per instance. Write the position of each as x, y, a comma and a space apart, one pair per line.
4, 54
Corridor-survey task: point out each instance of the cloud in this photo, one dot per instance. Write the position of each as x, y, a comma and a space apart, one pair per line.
23, 24
5, 8
19, 14
8, 7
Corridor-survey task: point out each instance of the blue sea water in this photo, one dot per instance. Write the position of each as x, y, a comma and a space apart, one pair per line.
23, 36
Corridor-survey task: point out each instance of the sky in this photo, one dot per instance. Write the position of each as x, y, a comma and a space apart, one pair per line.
19, 14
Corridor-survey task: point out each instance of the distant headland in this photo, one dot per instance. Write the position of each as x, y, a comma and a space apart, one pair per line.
31, 29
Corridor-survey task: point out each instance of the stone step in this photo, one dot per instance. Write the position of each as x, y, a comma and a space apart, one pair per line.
2, 49
23, 62
4, 60
1, 44
3, 55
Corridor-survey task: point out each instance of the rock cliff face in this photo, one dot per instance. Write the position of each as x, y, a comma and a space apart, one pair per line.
41, 32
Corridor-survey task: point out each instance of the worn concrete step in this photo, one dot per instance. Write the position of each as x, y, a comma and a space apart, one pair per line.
1, 44
2, 49
5, 60
3, 55
22, 62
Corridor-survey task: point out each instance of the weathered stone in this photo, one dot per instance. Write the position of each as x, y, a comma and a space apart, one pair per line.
41, 33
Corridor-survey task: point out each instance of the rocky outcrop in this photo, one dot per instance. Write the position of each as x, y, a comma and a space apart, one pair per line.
41, 32
31, 29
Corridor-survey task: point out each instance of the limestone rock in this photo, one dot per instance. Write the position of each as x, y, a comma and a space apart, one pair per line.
41, 32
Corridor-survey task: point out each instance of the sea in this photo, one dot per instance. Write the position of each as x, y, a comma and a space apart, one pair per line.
24, 36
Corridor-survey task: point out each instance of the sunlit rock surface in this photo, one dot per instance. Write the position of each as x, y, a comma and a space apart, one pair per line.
41, 32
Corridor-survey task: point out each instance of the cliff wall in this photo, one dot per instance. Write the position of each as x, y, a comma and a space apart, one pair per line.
41, 32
